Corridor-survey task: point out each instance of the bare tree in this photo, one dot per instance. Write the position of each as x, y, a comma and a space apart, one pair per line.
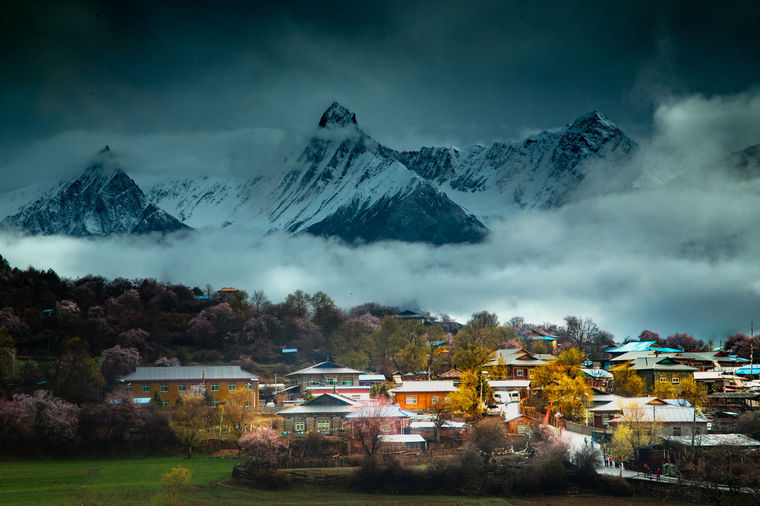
368, 422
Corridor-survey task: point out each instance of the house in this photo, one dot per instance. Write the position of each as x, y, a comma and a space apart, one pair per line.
597, 378
421, 395
660, 369
451, 374
521, 386
325, 374
357, 393
608, 411
669, 420
706, 360
717, 381
399, 442
413, 316
649, 346
371, 379
536, 334
392, 419
513, 363
324, 414
168, 383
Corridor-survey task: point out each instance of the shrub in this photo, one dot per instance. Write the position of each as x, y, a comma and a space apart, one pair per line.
488, 435
615, 485
174, 484
256, 477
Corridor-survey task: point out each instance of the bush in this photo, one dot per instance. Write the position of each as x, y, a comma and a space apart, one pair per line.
615, 485
175, 484
488, 435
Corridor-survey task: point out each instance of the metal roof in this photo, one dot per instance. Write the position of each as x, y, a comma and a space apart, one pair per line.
425, 386
513, 356
372, 377
715, 440
401, 438
641, 346
325, 368
509, 383
597, 373
337, 405
659, 364
379, 411
663, 414
749, 369
192, 373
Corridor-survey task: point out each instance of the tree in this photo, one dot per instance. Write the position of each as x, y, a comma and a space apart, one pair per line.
259, 300
488, 435
685, 342
626, 382
262, 447
189, 420
696, 394
621, 447
46, 419
441, 415
473, 390
648, 335
367, 423
239, 411
741, 345
665, 390
7, 356
118, 361
76, 376
476, 340
570, 395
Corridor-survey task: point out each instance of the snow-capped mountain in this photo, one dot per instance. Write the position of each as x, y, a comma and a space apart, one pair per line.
546, 170
344, 184
101, 201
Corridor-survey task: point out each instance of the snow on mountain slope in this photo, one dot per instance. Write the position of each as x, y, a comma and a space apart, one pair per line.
101, 201
547, 170
341, 179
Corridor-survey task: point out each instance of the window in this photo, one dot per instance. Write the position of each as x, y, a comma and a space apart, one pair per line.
164, 403
411, 399
195, 386
231, 387
128, 387
530, 373
323, 425
299, 426
163, 387
676, 431
331, 381
313, 383
520, 372
676, 380
446, 400
663, 379
346, 382
181, 387
146, 388
214, 387
434, 400
249, 386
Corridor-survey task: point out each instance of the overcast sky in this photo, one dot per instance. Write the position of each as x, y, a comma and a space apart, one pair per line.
173, 84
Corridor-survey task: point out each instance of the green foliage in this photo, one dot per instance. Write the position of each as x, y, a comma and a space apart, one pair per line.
626, 382
693, 391
476, 340
175, 484
569, 394
7, 355
77, 377
473, 391
621, 447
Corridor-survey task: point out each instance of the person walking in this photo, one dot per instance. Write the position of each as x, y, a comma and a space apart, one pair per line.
658, 473
646, 470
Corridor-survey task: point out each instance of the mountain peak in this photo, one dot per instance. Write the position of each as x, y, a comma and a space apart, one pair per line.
593, 119
337, 116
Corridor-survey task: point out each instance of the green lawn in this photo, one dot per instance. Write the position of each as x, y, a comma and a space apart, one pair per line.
138, 480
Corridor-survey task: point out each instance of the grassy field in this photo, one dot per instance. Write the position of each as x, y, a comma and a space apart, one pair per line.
138, 481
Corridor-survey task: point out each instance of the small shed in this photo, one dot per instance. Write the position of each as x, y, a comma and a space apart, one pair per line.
403, 442
521, 424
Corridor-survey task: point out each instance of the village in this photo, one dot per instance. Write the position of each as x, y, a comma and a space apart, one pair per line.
642, 411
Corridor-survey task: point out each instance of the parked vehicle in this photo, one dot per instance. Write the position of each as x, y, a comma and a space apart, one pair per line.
505, 397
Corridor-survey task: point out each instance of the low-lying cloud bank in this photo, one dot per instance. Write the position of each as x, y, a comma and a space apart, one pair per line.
667, 261
675, 258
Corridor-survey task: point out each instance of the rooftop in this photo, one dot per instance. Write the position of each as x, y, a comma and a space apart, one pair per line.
325, 368
426, 386
715, 440
189, 373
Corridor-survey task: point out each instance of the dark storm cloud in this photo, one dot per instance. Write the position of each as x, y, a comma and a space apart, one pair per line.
436, 72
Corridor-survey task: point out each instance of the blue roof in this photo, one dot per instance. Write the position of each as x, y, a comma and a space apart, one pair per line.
546, 338
641, 346
749, 369
289, 350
